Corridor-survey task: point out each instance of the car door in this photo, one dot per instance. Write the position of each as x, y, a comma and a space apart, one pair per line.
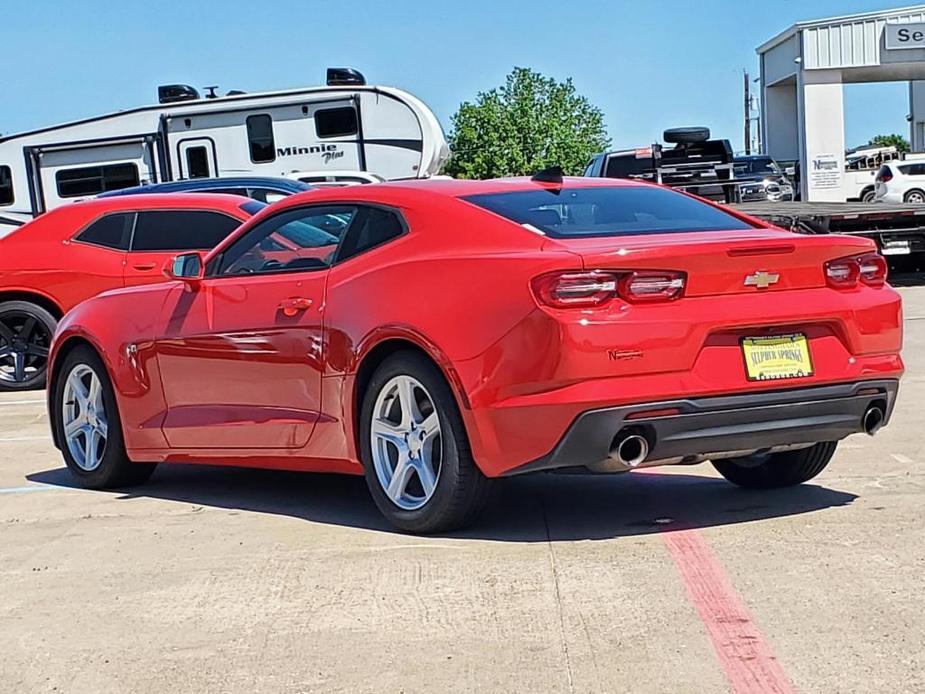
159, 235
241, 354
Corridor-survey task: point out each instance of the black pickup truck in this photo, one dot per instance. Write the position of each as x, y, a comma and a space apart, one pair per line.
697, 164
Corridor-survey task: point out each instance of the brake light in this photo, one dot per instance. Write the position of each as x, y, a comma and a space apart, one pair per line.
596, 288
845, 273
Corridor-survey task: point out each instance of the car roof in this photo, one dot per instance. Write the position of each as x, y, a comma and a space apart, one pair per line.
193, 184
203, 201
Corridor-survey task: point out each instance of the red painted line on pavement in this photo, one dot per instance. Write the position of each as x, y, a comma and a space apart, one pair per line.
744, 654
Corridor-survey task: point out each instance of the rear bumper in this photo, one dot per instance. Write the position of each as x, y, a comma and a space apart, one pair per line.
721, 424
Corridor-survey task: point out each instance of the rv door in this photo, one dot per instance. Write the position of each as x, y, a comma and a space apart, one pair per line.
196, 157
79, 171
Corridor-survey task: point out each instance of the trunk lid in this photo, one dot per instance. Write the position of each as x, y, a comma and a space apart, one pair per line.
722, 262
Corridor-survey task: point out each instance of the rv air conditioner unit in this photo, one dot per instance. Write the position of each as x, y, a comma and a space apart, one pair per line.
171, 93
344, 76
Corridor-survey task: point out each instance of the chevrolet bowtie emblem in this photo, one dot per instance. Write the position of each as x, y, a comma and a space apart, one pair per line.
762, 279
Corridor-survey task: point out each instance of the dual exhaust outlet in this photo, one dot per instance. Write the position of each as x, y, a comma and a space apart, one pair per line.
630, 448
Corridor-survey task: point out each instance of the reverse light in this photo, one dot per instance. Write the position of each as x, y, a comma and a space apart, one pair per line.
846, 273
595, 288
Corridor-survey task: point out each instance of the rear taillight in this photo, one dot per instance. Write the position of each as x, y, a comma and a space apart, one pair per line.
846, 273
883, 176
595, 288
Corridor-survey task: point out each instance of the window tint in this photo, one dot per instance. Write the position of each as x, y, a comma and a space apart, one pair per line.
913, 169
6, 186
197, 162
335, 122
260, 138
373, 227
91, 180
176, 230
575, 212
111, 231
626, 165
301, 239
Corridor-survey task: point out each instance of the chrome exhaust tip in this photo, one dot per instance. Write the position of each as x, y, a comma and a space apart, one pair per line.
630, 450
872, 420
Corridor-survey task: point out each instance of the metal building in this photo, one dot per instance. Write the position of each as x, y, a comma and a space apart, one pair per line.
802, 72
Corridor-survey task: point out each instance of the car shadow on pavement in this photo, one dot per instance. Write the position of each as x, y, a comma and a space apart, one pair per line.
534, 508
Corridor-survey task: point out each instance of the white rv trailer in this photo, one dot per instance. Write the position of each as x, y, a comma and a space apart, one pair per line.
345, 125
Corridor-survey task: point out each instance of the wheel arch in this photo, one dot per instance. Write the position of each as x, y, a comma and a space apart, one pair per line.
376, 351
33, 296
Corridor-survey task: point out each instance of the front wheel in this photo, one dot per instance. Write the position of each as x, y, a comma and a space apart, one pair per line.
87, 425
914, 196
415, 451
772, 470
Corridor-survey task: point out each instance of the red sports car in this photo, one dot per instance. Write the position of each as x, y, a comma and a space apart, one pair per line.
434, 335
72, 253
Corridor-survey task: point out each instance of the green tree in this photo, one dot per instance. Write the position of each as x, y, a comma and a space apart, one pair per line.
898, 141
528, 124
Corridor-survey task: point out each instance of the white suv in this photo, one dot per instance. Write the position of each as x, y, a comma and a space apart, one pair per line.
901, 181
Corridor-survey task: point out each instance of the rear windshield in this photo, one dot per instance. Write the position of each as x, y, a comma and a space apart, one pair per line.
579, 212
252, 207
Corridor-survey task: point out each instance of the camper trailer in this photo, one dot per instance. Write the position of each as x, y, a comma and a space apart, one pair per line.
346, 125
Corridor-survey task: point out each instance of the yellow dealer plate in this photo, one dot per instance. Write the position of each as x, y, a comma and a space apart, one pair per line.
777, 356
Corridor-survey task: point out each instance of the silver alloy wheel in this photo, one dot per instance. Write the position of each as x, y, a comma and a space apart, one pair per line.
915, 197
83, 416
407, 447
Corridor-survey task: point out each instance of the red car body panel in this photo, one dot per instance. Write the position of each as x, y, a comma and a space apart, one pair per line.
42, 258
218, 374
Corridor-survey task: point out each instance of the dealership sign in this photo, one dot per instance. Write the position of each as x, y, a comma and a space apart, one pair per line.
905, 36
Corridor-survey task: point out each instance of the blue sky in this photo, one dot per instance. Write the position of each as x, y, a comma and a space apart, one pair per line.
648, 65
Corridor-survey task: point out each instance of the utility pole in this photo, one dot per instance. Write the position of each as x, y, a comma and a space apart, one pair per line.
748, 115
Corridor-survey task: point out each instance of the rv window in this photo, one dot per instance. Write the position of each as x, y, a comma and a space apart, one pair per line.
197, 162
374, 226
112, 231
92, 180
6, 186
336, 122
174, 230
260, 137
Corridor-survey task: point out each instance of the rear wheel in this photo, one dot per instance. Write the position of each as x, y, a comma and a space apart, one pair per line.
869, 195
25, 336
915, 196
415, 451
87, 425
783, 469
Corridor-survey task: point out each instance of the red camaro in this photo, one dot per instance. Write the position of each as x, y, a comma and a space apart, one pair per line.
72, 253
436, 335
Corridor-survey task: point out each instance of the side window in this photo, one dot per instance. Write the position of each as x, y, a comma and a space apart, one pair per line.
92, 180
373, 227
112, 231
266, 195
336, 122
197, 162
260, 138
227, 191
6, 186
176, 230
297, 240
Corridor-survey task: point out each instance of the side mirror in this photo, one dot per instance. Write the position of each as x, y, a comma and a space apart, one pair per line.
187, 267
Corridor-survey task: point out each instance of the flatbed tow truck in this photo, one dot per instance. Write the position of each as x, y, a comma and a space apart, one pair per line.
898, 229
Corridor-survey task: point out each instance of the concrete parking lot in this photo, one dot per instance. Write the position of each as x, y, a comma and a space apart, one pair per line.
218, 580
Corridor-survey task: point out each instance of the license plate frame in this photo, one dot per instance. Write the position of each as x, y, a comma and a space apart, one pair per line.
782, 367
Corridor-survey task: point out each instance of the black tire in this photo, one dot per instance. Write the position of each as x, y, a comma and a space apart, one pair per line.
115, 469
784, 469
461, 490
914, 196
28, 371
869, 195
686, 136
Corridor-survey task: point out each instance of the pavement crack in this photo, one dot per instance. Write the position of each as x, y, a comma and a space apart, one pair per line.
555, 579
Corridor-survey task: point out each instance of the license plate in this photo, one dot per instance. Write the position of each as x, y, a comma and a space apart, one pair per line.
896, 248
778, 356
